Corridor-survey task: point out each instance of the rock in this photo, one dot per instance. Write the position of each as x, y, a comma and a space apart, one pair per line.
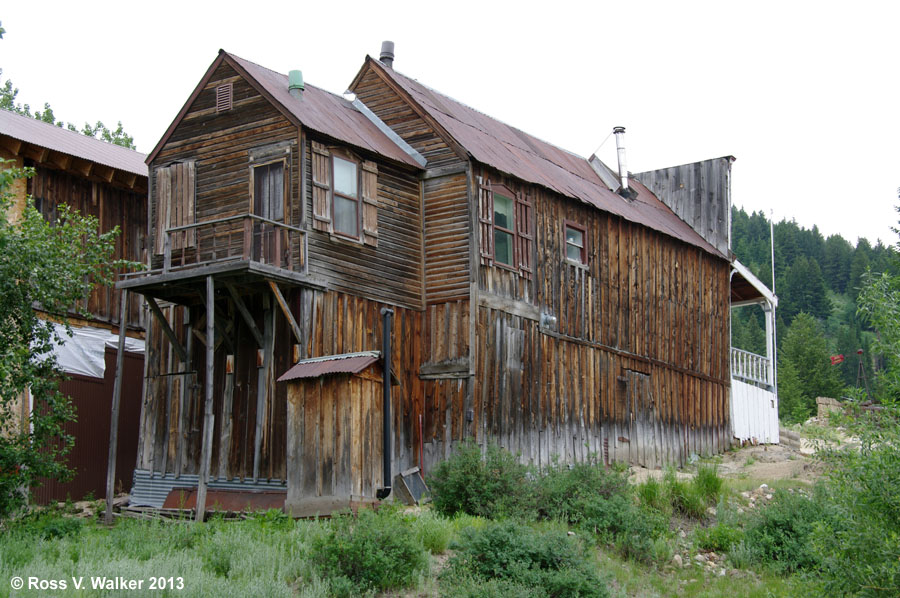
763, 487
769, 496
700, 558
677, 561
745, 494
711, 511
712, 556
571, 533
682, 534
740, 510
721, 573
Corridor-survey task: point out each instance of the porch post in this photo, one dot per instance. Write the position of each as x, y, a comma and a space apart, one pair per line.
769, 309
209, 417
114, 413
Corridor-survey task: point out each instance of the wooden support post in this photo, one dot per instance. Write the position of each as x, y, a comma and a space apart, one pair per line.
262, 386
186, 393
167, 330
226, 423
114, 414
286, 311
209, 416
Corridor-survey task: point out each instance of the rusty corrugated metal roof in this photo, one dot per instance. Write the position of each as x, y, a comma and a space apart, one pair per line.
31, 130
325, 112
346, 363
526, 157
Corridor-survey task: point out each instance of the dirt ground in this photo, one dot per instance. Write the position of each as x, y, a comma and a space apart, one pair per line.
762, 462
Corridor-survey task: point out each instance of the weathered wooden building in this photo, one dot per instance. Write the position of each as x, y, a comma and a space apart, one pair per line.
539, 301
110, 183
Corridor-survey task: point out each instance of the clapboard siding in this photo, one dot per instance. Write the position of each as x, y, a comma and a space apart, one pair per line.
112, 206
220, 144
390, 272
399, 115
447, 238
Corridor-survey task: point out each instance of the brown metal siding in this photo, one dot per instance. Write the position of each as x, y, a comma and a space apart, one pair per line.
92, 398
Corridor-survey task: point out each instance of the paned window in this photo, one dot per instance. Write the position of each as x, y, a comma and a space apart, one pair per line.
346, 198
575, 243
504, 225
506, 220
268, 191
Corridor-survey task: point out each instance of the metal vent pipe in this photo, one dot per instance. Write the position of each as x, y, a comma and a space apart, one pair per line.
388, 315
620, 152
387, 54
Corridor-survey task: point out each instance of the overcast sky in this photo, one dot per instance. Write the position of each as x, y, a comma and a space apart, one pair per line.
803, 94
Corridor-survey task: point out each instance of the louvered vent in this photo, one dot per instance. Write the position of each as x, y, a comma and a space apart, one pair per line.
223, 97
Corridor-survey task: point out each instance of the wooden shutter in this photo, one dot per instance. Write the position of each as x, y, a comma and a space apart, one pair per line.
369, 204
163, 202
321, 180
524, 235
486, 218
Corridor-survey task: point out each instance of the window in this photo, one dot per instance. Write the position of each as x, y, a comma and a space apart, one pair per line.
268, 191
504, 225
346, 198
576, 247
345, 194
506, 220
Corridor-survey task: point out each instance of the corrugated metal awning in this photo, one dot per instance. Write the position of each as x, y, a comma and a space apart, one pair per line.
345, 363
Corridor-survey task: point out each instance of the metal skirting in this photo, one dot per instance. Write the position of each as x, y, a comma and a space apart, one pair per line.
151, 490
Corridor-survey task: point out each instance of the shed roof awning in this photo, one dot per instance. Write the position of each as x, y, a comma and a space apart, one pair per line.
747, 289
344, 363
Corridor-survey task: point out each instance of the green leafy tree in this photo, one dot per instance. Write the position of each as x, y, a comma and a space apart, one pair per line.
51, 267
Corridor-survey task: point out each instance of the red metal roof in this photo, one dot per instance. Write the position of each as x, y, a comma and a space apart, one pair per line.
515, 152
325, 112
347, 363
31, 130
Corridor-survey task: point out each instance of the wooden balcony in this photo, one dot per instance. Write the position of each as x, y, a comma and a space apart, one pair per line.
244, 247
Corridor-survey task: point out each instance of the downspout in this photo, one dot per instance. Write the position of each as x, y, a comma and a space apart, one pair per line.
388, 315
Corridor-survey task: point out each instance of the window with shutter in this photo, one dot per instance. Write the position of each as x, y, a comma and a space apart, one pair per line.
370, 203
175, 192
486, 219
321, 180
524, 236
345, 194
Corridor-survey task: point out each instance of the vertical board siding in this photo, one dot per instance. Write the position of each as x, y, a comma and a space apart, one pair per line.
112, 206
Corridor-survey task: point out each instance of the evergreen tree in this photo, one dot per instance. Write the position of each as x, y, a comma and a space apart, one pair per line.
805, 351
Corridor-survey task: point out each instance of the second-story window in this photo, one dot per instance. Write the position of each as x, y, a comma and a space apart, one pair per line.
504, 225
268, 191
576, 247
346, 198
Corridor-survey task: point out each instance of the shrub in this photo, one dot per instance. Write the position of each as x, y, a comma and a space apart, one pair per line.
433, 531
511, 554
654, 494
49, 525
780, 532
492, 486
686, 496
708, 484
375, 551
719, 538
564, 493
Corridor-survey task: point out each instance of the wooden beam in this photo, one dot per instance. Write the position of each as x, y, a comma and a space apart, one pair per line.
13, 145
209, 418
37, 153
225, 425
60, 159
286, 311
104, 172
167, 330
126, 178
245, 313
82, 166
114, 414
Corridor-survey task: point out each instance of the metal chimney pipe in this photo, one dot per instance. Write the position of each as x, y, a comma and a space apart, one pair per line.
620, 151
387, 54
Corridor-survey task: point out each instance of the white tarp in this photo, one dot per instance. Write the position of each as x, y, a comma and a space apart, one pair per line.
84, 352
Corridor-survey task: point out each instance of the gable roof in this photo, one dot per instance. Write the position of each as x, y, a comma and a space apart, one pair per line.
72, 143
318, 110
512, 151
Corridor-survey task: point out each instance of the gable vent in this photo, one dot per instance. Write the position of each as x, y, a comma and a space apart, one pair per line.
223, 97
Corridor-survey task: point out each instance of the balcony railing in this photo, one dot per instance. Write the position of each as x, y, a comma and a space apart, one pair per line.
751, 367
245, 237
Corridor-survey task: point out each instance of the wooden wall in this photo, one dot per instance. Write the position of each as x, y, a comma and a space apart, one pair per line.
221, 143
334, 426
700, 193
390, 272
112, 206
